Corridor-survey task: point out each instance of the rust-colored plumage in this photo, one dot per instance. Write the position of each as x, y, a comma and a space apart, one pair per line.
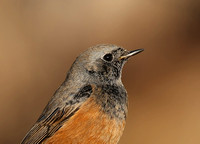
89, 126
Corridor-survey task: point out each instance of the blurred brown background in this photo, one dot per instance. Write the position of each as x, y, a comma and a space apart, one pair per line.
39, 40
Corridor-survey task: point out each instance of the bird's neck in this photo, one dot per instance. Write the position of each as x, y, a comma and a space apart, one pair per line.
113, 99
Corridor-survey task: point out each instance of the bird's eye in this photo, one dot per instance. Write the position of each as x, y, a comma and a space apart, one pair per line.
108, 57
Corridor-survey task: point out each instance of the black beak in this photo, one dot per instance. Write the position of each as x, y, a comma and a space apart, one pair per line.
131, 53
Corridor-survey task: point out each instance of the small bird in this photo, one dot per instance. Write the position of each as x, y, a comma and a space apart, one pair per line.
90, 106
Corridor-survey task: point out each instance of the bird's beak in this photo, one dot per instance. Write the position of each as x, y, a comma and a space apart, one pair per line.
131, 53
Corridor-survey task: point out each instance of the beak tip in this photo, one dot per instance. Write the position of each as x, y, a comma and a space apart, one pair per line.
134, 52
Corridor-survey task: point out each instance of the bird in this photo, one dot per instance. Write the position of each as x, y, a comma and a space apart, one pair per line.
90, 106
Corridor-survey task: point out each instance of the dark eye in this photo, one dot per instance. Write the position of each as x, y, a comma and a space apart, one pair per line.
108, 57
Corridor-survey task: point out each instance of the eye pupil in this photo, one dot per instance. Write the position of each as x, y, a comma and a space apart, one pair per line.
108, 57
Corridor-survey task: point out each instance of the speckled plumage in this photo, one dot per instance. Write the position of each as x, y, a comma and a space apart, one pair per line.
91, 104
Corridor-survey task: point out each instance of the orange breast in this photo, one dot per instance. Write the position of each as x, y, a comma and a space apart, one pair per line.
89, 125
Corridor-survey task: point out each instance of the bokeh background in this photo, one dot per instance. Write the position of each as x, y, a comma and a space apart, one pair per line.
39, 40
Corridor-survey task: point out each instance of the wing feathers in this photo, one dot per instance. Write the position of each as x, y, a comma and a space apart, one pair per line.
47, 125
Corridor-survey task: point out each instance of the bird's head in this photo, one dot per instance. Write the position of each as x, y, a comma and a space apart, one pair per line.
103, 63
